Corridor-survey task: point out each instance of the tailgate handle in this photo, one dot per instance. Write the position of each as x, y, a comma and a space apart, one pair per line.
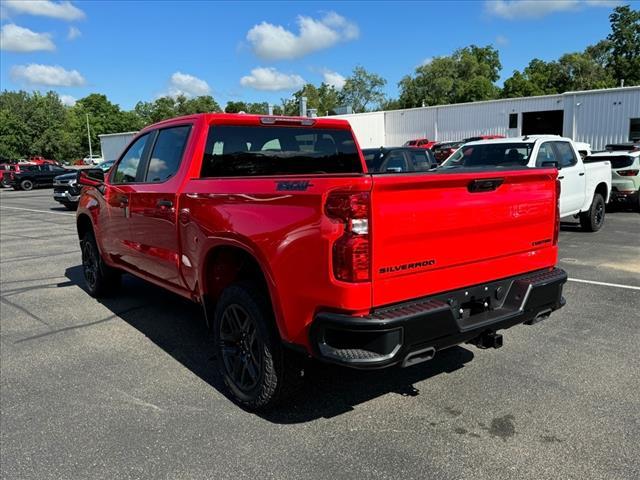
484, 184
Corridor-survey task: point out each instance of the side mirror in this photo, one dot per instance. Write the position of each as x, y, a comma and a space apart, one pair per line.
93, 177
551, 164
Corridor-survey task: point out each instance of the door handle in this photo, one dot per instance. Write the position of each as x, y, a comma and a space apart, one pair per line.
560, 178
581, 174
123, 201
164, 204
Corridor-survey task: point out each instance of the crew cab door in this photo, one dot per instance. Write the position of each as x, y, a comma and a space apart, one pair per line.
572, 178
116, 237
153, 206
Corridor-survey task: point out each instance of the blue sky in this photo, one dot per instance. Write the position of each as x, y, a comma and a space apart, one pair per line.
263, 51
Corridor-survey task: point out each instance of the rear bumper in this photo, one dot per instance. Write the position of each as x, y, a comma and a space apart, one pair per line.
412, 332
619, 195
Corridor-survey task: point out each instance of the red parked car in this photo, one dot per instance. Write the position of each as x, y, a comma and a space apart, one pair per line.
420, 143
5, 169
9, 170
275, 226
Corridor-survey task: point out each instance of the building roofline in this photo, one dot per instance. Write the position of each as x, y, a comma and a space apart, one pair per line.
496, 100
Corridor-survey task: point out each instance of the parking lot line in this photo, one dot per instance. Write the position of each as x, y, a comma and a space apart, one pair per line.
38, 211
593, 282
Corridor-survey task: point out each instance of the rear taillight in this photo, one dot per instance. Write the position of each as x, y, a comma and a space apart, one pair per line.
352, 251
556, 227
627, 173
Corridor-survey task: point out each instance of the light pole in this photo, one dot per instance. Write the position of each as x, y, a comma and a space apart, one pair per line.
89, 136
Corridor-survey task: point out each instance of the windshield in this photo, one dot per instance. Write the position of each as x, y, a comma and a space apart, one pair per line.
491, 155
233, 151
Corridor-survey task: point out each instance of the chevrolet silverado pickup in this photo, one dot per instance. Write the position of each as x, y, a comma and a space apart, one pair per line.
585, 187
294, 250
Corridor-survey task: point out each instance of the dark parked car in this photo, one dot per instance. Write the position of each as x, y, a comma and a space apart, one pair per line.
33, 176
66, 189
398, 159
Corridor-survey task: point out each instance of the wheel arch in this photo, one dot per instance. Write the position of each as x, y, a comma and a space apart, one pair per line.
228, 263
84, 225
603, 189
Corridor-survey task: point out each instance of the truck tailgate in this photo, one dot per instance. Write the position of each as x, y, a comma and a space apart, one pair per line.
436, 232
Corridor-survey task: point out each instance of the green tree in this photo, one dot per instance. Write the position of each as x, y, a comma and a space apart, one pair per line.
362, 90
35, 124
259, 108
625, 44
169, 107
324, 99
467, 75
103, 116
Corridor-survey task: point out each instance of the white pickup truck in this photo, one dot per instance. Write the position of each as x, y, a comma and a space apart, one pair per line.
585, 188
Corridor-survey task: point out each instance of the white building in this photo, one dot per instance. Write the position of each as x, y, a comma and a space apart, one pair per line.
112, 144
597, 117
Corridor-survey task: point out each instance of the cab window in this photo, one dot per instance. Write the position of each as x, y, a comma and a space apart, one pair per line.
546, 154
167, 153
567, 157
396, 163
127, 169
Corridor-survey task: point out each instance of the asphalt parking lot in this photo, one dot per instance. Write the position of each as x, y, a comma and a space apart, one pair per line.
126, 388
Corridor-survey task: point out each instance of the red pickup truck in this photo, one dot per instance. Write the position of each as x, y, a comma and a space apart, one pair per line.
275, 227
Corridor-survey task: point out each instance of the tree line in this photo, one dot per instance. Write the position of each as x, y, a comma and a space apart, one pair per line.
39, 124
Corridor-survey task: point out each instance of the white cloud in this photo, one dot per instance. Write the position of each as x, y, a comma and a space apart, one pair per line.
334, 79
517, 9
501, 40
512, 9
271, 79
18, 39
46, 8
603, 3
48, 75
74, 33
68, 100
274, 42
187, 85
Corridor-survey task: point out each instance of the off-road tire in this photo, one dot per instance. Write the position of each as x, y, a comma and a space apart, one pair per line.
593, 219
100, 279
279, 371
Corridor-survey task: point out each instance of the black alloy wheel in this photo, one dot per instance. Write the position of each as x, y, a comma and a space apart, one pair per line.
90, 264
241, 348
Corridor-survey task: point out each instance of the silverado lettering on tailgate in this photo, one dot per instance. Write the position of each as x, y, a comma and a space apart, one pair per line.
406, 266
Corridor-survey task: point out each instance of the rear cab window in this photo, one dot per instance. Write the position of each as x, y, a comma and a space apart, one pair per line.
239, 151
492, 155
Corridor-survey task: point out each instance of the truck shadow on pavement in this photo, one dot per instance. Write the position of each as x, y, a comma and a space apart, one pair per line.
177, 326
